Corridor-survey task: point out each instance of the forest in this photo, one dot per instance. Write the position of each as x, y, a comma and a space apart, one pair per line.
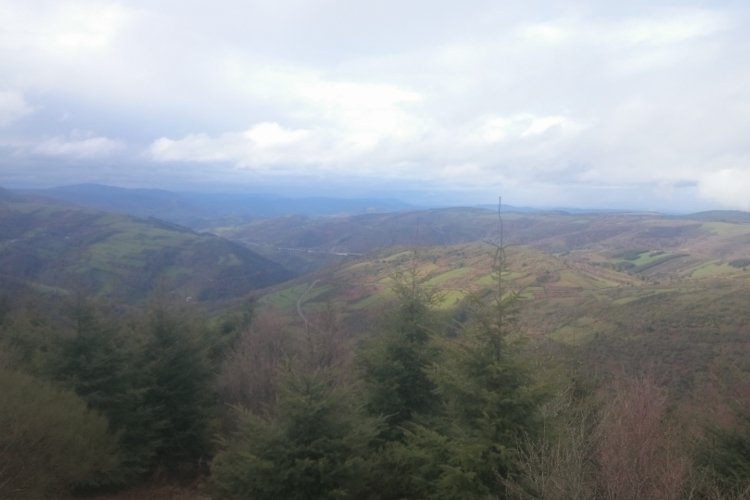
459, 369
97, 400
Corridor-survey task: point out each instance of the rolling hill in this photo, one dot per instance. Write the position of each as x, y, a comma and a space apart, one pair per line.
603, 238
61, 247
621, 291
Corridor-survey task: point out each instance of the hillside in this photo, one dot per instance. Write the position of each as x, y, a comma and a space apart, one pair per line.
620, 291
602, 238
61, 247
199, 210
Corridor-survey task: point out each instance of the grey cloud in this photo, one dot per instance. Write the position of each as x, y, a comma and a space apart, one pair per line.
572, 100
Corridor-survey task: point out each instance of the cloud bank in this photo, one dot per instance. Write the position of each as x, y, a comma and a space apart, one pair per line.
639, 104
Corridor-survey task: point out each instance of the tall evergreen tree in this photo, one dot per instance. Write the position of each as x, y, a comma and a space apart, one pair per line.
482, 404
489, 406
104, 366
309, 447
178, 392
395, 365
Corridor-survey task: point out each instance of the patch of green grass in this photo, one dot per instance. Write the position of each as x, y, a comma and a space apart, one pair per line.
450, 298
638, 295
490, 279
725, 228
286, 298
228, 260
579, 332
630, 254
447, 276
400, 256
376, 298
713, 268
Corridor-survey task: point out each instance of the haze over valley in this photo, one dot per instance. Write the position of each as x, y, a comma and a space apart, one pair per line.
374, 251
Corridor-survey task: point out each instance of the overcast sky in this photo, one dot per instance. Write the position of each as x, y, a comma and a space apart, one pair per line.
636, 104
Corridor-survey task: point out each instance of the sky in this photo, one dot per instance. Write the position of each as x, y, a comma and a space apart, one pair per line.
599, 104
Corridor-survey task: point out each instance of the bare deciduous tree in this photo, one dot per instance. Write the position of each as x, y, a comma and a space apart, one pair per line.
248, 375
637, 450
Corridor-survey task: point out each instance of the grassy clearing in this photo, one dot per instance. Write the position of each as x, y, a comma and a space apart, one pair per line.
579, 332
399, 257
441, 278
379, 297
640, 294
711, 269
286, 298
725, 228
450, 299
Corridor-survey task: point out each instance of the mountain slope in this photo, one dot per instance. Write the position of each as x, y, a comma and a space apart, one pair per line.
676, 319
69, 248
643, 243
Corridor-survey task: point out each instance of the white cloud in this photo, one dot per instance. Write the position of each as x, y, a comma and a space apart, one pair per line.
266, 135
673, 27
567, 97
91, 147
13, 106
729, 188
548, 32
262, 146
360, 114
526, 125
60, 27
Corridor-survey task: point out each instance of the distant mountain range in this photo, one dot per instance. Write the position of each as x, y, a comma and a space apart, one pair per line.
79, 238
199, 210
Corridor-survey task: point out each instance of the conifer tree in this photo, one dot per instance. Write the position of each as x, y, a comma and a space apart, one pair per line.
105, 368
309, 447
488, 401
466, 449
395, 365
178, 393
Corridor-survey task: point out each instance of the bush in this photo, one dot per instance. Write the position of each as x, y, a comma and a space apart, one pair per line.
50, 441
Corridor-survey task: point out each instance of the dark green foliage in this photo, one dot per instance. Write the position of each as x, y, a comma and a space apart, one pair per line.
153, 383
724, 454
178, 392
50, 442
742, 262
28, 335
456, 414
310, 447
395, 364
489, 406
106, 368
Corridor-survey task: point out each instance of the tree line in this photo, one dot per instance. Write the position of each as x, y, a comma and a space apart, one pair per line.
95, 398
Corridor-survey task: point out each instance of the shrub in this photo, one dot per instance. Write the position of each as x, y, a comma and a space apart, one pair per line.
50, 441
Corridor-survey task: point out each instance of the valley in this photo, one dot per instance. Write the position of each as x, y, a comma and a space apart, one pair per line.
596, 306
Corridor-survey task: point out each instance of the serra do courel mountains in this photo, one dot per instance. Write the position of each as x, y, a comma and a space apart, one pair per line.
646, 280
634, 328
67, 248
613, 276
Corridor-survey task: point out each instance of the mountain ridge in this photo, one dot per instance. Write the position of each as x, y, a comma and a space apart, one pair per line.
67, 248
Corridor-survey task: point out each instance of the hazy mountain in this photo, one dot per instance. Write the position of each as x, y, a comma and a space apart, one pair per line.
58, 246
196, 209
